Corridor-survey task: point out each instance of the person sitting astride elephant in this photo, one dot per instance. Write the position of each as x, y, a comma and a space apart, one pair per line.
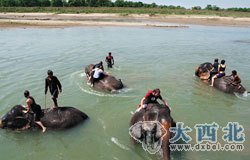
96, 75
215, 68
35, 108
236, 79
222, 68
109, 60
99, 65
151, 97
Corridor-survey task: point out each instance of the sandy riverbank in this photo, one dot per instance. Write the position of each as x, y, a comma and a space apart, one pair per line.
68, 20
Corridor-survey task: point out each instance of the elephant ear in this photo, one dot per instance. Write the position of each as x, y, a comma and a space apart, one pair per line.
135, 131
20, 122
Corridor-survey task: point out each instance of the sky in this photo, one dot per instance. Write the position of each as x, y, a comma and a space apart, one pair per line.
202, 3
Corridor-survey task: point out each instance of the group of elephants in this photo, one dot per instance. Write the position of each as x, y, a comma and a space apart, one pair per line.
66, 117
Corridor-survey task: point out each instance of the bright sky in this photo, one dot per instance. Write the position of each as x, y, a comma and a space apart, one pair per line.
202, 3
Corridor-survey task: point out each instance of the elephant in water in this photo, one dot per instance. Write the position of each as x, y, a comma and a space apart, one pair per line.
109, 83
223, 84
56, 118
151, 128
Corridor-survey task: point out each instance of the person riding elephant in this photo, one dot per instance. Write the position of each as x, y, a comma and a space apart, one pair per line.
108, 83
57, 118
151, 128
35, 108
223, 83
97, 75
221, 72
236, 81
151, 97
215, 68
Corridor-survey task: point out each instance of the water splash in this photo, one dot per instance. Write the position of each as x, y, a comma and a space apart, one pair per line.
115, 141
102, 123
242, 96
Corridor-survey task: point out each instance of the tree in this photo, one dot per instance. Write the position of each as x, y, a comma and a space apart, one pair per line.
9, 3
44, 3
196, 8
57, 3
209, 7
76, 3
29, 3
119, 3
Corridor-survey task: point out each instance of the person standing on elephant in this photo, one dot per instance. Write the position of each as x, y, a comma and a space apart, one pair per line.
35, 108
215, 68
222, 69
110, 60
151, 97
54, 86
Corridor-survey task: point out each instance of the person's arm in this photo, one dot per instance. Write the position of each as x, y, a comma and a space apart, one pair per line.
211, 69
237, 80
46, 86
142, 101
59, 84
163, 101
28, 104
113, 61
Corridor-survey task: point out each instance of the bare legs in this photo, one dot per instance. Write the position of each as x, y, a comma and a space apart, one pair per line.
41, 125
55, 101
212, 83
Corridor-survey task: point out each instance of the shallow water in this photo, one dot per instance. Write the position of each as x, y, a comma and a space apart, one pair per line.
145, 58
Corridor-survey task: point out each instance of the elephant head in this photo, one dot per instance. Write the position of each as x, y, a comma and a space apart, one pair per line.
151, 128
203, 70
88, 69
15, 118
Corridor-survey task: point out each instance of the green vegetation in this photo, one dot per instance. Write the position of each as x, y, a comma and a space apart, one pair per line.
119, 6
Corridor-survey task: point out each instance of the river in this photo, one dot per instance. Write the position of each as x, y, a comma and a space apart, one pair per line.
145, 58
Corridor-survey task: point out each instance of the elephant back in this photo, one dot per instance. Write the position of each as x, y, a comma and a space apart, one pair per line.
62, 117
224, 85
113, 82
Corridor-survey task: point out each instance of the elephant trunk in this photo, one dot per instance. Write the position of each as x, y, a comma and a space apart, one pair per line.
165, 142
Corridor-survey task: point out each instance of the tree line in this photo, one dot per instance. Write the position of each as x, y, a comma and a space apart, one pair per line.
103, 3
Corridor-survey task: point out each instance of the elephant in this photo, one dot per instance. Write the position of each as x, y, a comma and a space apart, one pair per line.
222, 84
54, 119
108, 84
150, 126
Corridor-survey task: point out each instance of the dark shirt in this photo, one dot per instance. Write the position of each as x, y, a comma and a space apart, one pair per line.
53, 84
98, 65
34, 107
109, 59
222, 68
216, 66
150, 98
